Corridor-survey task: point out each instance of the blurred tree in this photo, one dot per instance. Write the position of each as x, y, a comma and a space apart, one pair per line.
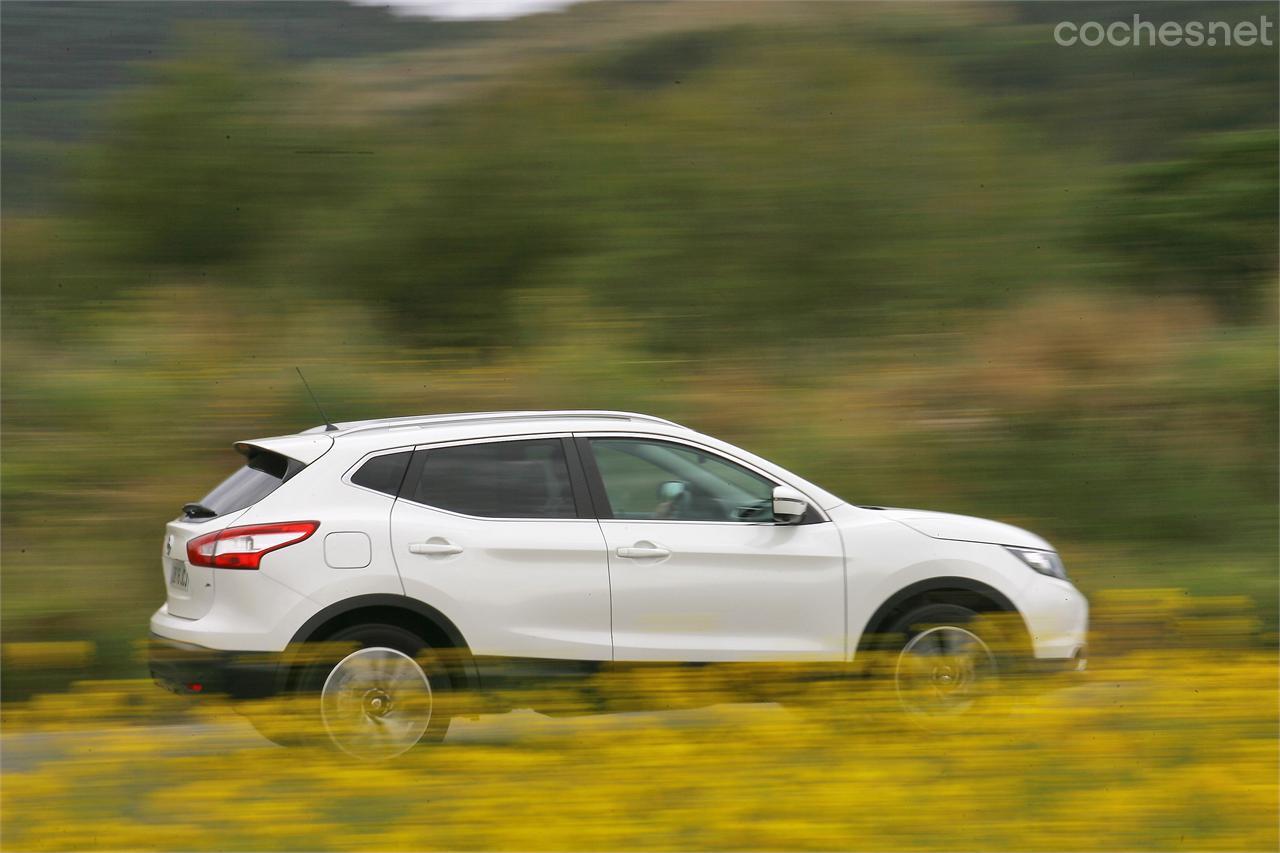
57, 65
197, 168
1132, 104
752, 190
1203, 225
445, 236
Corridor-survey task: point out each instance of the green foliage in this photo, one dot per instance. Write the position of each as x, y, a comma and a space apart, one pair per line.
444, 242
840, 191
1203, 225
1130, 104
196, 170
62, 58
658, 62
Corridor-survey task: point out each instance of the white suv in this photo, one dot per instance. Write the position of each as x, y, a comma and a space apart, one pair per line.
445, 552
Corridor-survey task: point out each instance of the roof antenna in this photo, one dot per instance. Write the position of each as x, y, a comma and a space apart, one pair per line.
328, 424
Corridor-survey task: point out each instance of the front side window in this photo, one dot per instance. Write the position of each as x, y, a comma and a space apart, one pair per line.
647, 480
498, 479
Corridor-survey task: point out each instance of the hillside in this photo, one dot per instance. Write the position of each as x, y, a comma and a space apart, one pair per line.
61, 59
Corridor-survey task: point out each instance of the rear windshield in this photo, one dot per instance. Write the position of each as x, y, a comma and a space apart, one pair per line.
261, 475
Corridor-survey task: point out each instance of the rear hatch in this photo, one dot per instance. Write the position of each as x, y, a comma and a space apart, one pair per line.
191, 588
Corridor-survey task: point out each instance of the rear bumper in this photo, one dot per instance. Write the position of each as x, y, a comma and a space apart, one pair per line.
188, 668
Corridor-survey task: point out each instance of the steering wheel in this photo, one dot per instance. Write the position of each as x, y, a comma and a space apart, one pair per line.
674, 498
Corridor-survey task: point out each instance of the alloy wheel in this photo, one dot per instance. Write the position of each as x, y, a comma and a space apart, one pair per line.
376, 703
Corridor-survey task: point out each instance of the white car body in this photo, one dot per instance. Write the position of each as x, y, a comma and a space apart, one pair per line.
577, 588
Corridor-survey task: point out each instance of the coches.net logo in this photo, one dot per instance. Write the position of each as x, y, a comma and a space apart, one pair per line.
1140, 33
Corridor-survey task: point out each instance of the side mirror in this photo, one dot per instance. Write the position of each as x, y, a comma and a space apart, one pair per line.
789, 506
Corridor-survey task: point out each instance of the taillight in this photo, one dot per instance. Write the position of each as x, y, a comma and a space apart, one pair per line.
244, 547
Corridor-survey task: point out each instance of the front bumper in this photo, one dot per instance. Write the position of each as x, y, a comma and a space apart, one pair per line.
1078, 662
1057, 619
187, 668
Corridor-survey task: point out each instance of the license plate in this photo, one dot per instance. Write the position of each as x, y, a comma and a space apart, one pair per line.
178, 575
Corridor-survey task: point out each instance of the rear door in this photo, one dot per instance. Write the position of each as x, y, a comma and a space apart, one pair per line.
700, 571
497, 534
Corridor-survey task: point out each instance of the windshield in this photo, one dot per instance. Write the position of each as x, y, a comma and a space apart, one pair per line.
260, 476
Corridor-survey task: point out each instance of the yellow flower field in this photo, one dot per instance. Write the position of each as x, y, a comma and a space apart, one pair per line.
1161, 745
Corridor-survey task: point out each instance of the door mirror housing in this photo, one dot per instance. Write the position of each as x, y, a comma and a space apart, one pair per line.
789, 506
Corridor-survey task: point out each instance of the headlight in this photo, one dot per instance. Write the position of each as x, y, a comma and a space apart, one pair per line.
1044, 562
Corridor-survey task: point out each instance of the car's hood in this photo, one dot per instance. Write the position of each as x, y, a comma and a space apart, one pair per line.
965, 528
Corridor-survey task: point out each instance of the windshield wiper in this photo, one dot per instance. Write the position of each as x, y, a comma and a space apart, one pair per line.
198, 511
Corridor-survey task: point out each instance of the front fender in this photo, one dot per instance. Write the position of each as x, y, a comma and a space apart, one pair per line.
887, 561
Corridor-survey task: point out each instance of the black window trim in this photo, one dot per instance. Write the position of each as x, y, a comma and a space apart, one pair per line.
604, 511
577, 479
595, 483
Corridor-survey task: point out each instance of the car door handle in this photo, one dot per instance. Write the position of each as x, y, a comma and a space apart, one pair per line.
434, 549
642, 552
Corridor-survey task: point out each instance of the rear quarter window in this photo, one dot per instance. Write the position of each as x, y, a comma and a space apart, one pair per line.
383, 473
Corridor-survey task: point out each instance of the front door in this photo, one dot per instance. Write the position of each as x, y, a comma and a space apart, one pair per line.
699, 569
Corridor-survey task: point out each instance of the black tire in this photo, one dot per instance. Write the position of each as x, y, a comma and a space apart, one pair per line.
945, 660
311, 678
917, 619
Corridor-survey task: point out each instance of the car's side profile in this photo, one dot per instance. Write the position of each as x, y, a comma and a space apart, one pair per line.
439, 550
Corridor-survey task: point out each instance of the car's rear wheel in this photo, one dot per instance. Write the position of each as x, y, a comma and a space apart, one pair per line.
380, 695
944, 665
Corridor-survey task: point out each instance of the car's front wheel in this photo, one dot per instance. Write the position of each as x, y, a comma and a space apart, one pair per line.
944, 664
380, 695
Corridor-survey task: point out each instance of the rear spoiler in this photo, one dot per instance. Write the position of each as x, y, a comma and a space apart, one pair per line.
304, 448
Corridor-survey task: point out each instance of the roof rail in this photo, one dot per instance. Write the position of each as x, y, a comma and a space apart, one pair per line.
496, 417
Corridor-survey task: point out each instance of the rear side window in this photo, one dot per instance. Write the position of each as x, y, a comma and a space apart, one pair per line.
260, 476
500, 479
383, 473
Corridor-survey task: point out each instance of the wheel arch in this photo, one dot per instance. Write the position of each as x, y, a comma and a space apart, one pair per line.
967, 592
432, 625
